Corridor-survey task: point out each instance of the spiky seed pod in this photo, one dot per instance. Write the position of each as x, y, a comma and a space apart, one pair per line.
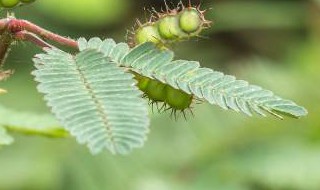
169, 28
177, 99
147, 33
156, 91
191, 20
8, 3
142, 82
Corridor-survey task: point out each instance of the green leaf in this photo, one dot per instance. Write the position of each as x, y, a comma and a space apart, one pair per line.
95, 100
30, 123
5, 139
204, 83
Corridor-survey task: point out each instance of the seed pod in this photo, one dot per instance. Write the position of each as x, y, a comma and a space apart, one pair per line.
156, 91
8, 3
178, 99
142, 82
169, 28
190, 20
147, 33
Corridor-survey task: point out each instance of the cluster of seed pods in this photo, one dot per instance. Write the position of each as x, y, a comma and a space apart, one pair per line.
168, 27
13, 3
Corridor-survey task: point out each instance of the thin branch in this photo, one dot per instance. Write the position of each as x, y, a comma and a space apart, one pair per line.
5, 42
31, 37
13, 26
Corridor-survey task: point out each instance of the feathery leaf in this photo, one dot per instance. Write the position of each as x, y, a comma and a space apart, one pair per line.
204, 83
95, 100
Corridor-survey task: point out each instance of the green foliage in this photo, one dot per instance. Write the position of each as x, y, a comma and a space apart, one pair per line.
30, 123
27, 123
204, 83
216, 149
95, 100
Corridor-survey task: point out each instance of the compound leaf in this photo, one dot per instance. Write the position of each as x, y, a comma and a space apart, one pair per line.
93, 98
204, 83
215, 87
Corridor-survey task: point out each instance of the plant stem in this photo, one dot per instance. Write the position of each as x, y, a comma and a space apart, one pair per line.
5, 42
34, 33
31, 37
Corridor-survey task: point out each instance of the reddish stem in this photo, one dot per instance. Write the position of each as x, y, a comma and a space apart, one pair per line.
14, 26
31, 37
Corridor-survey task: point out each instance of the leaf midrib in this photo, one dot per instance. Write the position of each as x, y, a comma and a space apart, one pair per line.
97, 103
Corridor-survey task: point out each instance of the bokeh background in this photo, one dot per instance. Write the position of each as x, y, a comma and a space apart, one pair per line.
271, 43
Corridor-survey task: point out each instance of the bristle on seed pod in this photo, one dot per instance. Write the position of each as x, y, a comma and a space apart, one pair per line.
170, 26
167, 27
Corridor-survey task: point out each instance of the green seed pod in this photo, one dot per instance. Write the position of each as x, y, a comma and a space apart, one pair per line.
156, 91
178, 99
169, 28
190, 20
142, 82
8, 3
27, 1
147, 33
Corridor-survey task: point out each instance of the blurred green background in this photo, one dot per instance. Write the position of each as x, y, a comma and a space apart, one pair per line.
271, 43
